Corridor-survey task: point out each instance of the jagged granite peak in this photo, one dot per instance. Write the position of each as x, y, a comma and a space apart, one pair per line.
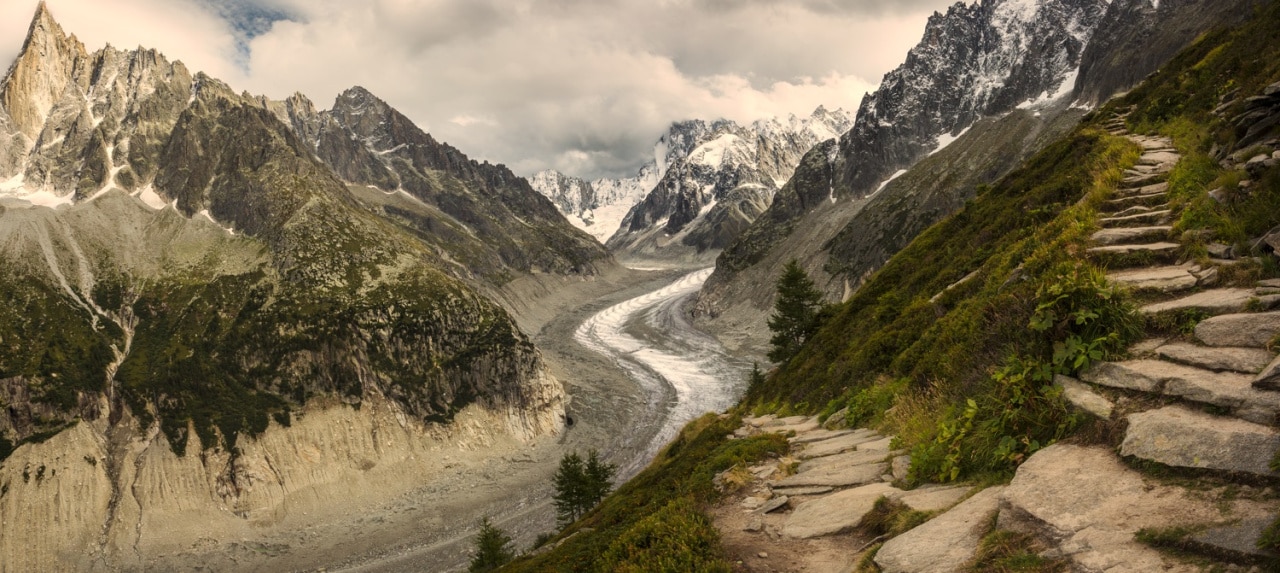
716, 172
508, 225
976, 60
38, 77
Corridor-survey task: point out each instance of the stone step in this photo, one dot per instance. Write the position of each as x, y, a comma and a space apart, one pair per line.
835, 513
1161, 279
1126, 235
1119, 256
1180, 437
818, 435
1152, 200
945, 543
1238, 542
837, 445
1137, 219
845, 460
1217, 359
836, 476
1142, 180
1135, 210
1251, 329
1216, 301
1162, 187
1083, 397
1222, 389
1158, 158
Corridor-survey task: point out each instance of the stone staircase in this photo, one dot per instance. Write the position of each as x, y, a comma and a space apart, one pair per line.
1207, 406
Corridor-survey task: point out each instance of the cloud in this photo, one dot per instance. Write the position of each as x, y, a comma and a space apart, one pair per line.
586, 86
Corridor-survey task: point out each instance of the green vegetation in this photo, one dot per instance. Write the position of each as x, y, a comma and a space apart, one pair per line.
653, 522
580, 486
1004, 551
493, 549
1271, 536
891, 518
795, 313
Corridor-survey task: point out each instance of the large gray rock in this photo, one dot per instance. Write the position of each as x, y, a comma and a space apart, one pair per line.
1162, 279
946, 542
1125, 235
1269, 378
1217, 301
1088, 504
1131, 375
1081, 396
1180, 437
835, 513
1252, 329
836, 476
1218, 359
1224, 389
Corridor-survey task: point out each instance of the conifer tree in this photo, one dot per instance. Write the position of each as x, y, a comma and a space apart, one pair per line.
492, 548
580, 485
599, 476
795, 316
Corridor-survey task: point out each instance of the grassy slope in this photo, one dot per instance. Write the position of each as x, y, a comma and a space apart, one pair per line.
966, 375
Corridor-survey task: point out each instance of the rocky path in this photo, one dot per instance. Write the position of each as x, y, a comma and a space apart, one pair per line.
1198, 415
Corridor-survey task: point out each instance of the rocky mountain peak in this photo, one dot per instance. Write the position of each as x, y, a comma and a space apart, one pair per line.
40, 73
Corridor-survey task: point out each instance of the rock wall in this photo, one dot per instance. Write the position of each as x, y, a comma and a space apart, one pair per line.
103, 497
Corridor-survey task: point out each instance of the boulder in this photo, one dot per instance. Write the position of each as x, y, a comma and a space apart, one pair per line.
835, 513
945, 543
1088, 504
1180, 437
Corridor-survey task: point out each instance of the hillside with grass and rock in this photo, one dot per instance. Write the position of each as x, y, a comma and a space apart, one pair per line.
1074, 371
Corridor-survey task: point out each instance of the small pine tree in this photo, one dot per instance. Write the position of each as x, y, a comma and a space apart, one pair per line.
599, 477
571, 489
757, 377
493, 548
795, 316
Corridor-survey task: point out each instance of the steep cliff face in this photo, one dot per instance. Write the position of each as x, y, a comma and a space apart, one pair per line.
206, 284
916, 154
1136, 37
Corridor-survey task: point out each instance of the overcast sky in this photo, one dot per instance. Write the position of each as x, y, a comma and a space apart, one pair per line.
584, 86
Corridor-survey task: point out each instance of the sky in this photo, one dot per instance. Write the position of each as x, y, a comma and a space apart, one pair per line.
583, 86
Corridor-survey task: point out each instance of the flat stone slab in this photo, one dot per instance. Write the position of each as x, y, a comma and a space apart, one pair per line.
1126, 235
1136, 219
819, 435
1135, 210
1091, 504
1159, 158
1129, 375
1142, 180
800, 428
1253, 329
1216, 301
854, 458
934, 498
835, 513
1180, 437
774, 504
794, 491
1217, 358
1269, 378
1159, 248
1144, 199
836, 476
1162, 279
945, 543
1239, 540
837, 445
1081, 396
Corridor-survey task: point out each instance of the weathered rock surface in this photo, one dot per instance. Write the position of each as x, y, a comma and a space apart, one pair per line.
1180, 437
1252, 329
1218, 359
1089, 504
1163, 279
1269, 377
846, 459
945, 543
1124, 235
1083, 397
1239, 541
933, 498
836, 476
835, 513
836, 445
1217, 301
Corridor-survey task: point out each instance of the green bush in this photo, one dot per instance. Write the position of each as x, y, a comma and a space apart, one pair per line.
675, 539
